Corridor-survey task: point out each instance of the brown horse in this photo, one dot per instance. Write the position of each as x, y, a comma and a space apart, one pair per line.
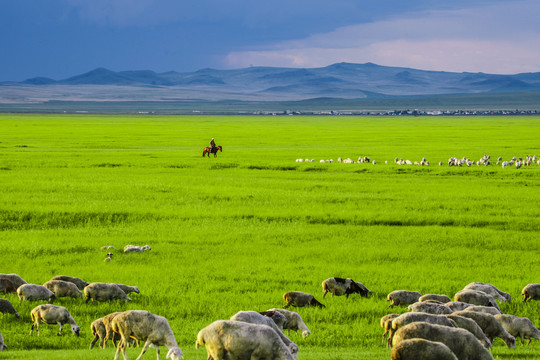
207, 151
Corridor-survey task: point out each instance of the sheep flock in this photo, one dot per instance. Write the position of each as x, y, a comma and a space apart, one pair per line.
434, 326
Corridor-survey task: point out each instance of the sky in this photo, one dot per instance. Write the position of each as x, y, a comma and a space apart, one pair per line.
62, 38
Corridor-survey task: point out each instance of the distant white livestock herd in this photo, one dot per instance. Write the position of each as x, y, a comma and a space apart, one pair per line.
436, 328
485, 160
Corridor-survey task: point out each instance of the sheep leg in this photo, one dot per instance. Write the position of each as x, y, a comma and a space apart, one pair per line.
94, 342
60, 331
121, 347
35, 325
145, 347
324, 294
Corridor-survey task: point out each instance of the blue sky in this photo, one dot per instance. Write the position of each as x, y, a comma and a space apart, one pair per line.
62, 38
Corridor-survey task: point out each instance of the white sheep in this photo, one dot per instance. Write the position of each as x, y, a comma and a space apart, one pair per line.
461, 342
15, 279
490, 326
471, 326
145, 326
457, 305
109, 333
407, 318
235, 340
430, 308
294, 322
386, 324
299, 299
254, 317
104, 292
441, 298
403, 297
97, 329
339, 286
519, 327
53, 314
421, 349
7, 307
129, 289
81, 284
31, 292
278, 318
531, 292
62, 288
485, 309
476, 298
490, 290
135, 248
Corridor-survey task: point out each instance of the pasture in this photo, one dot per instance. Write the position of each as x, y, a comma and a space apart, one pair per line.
236, 232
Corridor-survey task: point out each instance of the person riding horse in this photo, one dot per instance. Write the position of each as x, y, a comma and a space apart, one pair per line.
213, 149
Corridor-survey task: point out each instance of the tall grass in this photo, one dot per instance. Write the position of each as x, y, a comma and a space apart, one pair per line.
235, 232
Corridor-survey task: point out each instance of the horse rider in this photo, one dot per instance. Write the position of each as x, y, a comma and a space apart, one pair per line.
212, 146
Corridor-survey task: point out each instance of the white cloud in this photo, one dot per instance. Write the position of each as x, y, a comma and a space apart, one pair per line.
500, 38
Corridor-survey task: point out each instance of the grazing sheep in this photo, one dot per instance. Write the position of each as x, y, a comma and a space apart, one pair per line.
299, 299
109, 257
457, 305
145, 326
97, 329
62, 288
235, 340
519, 327
31, 292
472, 327
386, 324
108, 247
109, 333
294, 322
490, 290
485, 309
6, 307
15, 279
3, 345
81, 284
405, 319
461, 342
254, 317
6, 286
279, 319
339, 286
476, 298
104, 292
441, 298
430, 308
531, 292
490, 326
52, 314
129, 289
135, 248
421, 349
403, 297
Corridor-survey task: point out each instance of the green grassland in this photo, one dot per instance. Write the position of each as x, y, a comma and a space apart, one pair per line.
235, 232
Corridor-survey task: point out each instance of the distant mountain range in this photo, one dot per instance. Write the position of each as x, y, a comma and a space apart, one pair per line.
341, 81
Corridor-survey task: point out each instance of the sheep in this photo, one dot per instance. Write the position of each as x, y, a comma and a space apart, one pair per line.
254, 317
279, 319
485, 309
386, 324
145, 326
294, 322
430, 308
134, 248
472, 327
109, 257
490, 290
421, 349
97, 329
403, 297
235, 340
15, 279
109, 333
31, 292
7, 286
531, 292
457, 305
461, 342
62, 288
6, 307
81, 284
299, 299
339, 286
104, 292
3, 345
108, 247
405, 319
519, 327
442, 298
53, 314
490, 326
476, 298
129, 289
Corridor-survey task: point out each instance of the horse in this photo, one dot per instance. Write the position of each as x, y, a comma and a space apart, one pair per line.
207, 151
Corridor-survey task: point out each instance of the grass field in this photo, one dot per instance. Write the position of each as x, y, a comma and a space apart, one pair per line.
236, 232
